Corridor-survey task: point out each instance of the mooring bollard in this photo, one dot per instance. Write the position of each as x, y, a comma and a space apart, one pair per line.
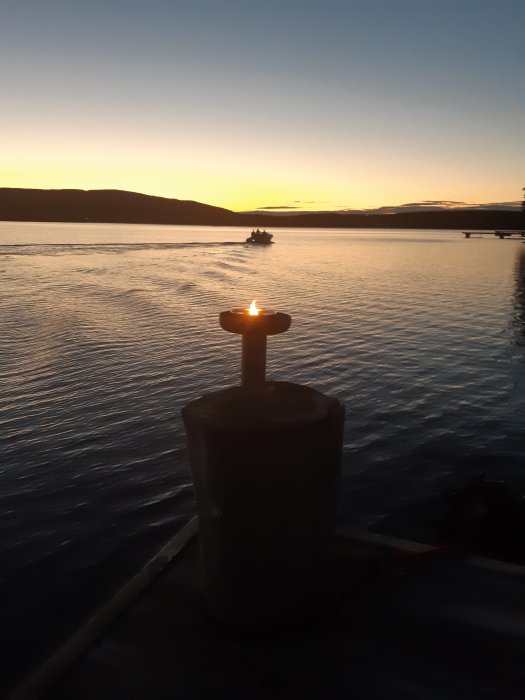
265, 459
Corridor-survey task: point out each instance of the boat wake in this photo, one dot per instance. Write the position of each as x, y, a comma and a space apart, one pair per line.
65, 248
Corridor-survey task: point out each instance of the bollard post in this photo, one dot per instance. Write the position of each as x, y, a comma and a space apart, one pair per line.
265, 460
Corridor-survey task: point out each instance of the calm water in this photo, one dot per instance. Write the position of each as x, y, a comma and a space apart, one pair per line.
107, 331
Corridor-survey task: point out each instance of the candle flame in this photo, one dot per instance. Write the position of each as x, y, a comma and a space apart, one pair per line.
253, 310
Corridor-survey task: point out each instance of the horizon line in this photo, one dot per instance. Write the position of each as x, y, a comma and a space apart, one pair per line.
292, 209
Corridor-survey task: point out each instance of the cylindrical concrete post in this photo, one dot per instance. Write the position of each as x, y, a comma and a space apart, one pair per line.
265, 461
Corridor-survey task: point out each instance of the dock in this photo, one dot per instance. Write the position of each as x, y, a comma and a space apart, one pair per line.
399, 620
498, 234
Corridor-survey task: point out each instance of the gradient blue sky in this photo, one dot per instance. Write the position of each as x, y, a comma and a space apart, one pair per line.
321, 105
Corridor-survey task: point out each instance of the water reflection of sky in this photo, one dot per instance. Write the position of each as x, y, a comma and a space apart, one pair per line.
518, 317
104, 342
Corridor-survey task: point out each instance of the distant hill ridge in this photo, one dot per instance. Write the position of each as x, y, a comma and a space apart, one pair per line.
119, 206
104, 206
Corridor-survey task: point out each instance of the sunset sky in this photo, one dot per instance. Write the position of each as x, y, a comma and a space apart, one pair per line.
243, 104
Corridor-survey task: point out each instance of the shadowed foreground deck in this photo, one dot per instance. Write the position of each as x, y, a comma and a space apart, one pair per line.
404, 621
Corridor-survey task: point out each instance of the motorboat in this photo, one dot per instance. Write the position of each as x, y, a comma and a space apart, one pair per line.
260, 237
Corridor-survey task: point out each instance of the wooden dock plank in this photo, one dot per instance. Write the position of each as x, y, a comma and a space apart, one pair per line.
441, 629
88, 633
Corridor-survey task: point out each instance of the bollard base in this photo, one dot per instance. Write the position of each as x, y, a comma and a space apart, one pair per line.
265, 463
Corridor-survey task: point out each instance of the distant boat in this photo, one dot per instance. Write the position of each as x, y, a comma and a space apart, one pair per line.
260, 238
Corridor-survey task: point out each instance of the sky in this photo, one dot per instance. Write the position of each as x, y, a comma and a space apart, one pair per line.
340, 104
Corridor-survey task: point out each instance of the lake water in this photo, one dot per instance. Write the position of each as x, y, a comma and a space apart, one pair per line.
107, 331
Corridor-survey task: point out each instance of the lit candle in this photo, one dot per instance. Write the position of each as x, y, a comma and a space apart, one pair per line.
253, 311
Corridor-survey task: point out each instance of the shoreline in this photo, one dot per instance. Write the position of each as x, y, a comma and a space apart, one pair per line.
122, 207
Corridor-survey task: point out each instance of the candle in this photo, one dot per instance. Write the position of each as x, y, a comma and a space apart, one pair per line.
253, 311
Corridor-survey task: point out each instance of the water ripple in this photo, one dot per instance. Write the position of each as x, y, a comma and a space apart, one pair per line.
105, 338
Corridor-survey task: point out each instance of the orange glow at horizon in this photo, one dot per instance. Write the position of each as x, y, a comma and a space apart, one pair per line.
293, 186
215, 177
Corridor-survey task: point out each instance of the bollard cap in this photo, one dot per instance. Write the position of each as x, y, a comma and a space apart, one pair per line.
266, 323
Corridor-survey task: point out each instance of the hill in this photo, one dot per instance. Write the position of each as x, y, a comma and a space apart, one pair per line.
107, 206
117, 206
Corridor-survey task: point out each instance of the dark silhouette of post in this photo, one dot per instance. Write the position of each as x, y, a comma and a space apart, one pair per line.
265, 459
